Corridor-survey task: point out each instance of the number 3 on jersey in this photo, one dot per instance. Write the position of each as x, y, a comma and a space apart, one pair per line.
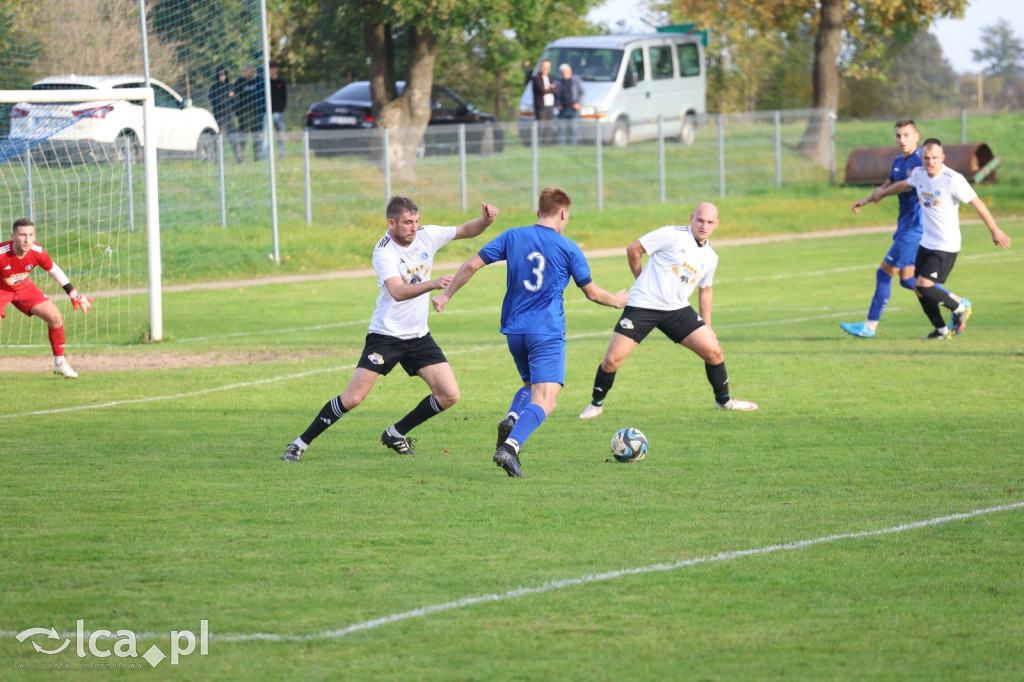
538, 258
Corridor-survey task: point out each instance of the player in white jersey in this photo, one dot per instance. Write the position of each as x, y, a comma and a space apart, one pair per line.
941, 190
680, 259
404, 261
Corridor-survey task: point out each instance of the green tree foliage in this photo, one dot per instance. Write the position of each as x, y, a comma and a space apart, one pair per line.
917, 81
1002, 52
476, 46
850, 37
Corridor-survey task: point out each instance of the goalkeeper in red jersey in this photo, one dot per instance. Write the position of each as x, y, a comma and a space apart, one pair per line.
18, 257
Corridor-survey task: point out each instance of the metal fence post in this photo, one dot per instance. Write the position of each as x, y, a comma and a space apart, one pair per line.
831, 146
387, 165
534, 147
462, 163
220, 181
306, 177
129, 181
29, 200
661, 160
721, 155
598, 142
963, 126
778, 148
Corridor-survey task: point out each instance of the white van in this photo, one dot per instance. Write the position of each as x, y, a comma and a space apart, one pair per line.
629, 81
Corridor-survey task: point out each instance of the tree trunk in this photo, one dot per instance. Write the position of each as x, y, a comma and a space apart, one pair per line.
826, 81
406, 116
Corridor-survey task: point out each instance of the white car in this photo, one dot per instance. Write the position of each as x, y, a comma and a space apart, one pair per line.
83, 131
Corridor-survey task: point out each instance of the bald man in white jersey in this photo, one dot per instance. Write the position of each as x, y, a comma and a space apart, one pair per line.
680, 260
941, 190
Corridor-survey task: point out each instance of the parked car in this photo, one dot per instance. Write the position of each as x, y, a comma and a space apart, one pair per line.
351, 109
98, 131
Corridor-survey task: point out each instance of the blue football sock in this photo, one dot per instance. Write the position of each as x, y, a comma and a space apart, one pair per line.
530, 418
519, 401
883, 289
907, 283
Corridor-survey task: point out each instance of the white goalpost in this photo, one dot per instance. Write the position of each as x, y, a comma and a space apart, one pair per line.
80, 194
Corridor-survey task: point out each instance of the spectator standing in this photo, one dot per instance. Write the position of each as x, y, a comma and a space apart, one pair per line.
570, 96
544, 89
278, 102
222, 101
249, 108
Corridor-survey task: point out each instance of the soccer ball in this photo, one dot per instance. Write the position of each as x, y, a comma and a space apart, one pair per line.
629, 445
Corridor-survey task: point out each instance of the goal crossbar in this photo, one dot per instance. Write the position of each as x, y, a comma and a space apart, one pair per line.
145, 95
75, 95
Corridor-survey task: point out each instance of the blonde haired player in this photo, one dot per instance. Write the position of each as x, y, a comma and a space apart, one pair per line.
18, 257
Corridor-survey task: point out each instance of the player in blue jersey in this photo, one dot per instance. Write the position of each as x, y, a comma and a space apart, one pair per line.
540, 262
905, 240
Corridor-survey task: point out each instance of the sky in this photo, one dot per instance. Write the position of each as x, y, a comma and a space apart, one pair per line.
957, 37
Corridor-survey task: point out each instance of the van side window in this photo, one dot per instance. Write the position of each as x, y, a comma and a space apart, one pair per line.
661, 61
636, 64
689, 60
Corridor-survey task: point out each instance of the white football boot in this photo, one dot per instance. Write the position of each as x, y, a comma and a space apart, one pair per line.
61, 366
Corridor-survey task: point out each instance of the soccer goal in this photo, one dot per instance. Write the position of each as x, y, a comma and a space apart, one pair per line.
93, 198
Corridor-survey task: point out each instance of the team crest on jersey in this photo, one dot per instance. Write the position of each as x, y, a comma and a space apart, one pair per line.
424, 255
626, 323
416, 275
685, 272
375, 358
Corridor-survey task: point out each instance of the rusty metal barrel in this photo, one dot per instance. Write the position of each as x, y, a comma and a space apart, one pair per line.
871, 165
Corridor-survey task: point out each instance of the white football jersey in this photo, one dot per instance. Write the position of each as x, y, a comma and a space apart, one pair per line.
940, 199
414, 263
676, 265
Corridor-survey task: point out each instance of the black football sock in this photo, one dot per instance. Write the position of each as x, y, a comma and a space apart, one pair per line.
932, 311
719, 379
602, 385
939, 295
330, 413
426, 409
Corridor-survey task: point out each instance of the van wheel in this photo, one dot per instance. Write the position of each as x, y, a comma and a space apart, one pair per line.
689, 132
126, 147
620, 136
206, 148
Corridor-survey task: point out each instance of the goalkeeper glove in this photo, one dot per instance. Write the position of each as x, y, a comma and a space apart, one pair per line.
80, 301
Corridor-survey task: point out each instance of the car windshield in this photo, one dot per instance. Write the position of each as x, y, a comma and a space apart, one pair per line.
596, 64
357, 92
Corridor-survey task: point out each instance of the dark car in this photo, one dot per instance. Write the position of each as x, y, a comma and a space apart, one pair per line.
351, 109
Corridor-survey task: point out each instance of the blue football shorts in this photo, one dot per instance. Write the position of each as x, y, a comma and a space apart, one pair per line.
539, 359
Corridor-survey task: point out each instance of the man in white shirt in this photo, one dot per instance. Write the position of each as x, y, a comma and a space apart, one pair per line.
398, 332
680, 260
941, 190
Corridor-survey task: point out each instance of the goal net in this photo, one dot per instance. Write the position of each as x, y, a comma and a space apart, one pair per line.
88, 201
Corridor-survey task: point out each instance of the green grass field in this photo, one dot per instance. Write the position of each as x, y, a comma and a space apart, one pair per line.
817, 538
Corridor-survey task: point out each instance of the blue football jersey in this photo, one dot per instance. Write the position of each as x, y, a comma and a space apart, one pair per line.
910, 208
540, 263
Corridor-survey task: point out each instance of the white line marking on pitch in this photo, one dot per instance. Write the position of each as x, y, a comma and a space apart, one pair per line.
550, 586
299, 375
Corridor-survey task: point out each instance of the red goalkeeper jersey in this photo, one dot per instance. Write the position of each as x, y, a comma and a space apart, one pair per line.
14, 271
